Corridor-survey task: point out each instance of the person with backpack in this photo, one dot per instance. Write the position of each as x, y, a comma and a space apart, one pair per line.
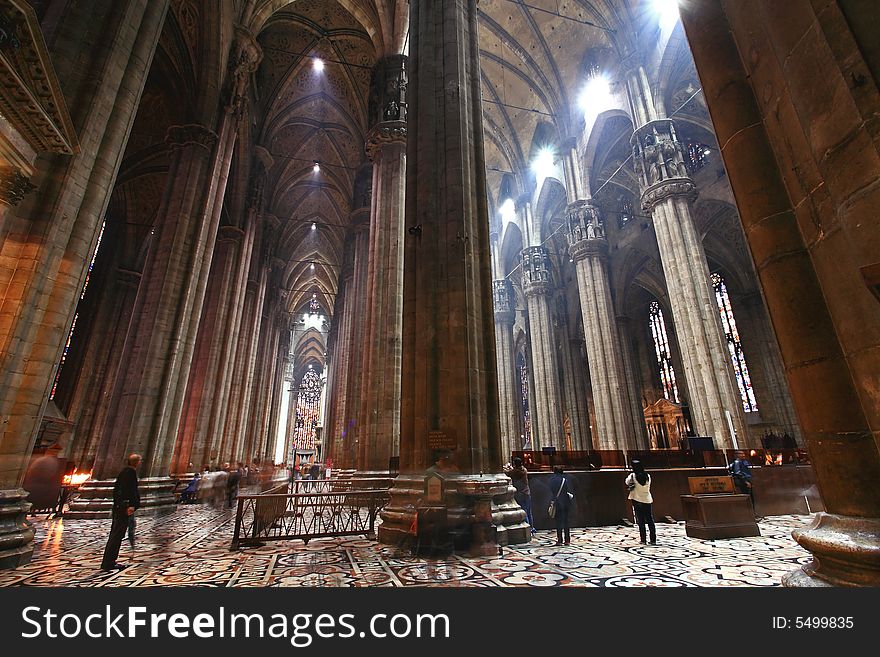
639, 484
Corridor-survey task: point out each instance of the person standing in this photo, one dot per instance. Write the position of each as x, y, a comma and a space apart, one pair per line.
639, 484
126, 500
562, 495
519, 476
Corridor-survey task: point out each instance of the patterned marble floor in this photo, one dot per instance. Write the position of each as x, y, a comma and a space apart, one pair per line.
191, 548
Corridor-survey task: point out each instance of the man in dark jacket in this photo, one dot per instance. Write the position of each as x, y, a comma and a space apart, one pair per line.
126, 500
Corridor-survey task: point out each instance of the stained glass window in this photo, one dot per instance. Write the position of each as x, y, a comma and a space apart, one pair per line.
696, 155
308, 408
728, 325
664, 357
523, 372
82, 296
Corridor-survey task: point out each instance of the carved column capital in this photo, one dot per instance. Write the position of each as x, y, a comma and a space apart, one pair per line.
191, 134
665, 189
658, 158
384, 135
536, 289
586, 230
502, 294
536, 265
230, 234
14, 186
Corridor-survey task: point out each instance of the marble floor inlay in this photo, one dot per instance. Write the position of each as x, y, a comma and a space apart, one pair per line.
191, 548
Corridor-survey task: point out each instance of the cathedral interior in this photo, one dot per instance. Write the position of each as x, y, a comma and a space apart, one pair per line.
407, 241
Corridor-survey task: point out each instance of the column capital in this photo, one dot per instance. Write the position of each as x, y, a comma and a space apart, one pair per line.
586, 230
384, 135
502, 293
388, 90
191, 134
658, 157
230, 234
668, 188
14, 186
536, 265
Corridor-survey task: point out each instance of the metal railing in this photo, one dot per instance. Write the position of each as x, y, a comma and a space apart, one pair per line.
314, 509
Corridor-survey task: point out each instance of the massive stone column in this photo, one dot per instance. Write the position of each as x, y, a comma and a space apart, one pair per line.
575, 392
449, 382
589, 250
93, 395
211, 360
356, 303
792, 97
341, 363
379, 417
508, 384
48, 237
547, 409
148, 398
667, 194
633, 384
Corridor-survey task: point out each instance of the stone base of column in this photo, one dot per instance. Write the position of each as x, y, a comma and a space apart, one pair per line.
16, 533
845, 549
466, 497
96, 499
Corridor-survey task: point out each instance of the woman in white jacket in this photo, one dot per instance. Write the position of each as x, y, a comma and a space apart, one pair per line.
639, 484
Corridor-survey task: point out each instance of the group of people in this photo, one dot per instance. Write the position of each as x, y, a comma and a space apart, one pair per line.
217, 486
310, 471
638, 483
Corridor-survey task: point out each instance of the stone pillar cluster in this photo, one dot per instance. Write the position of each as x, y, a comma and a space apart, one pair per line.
589, 250
667, 194
379, 416
508, 384
45, 231
449, 384
547, 409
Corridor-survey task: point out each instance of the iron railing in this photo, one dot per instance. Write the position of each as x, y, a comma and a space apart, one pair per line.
311, 509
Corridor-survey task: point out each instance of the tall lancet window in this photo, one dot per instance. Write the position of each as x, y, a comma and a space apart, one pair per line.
728, 324
308, 408
82, 296
523, 372
664, 356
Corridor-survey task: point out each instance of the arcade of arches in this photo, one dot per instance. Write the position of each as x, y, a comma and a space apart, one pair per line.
269, 231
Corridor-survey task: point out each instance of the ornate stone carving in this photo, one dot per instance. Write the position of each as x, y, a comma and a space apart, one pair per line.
184, 135
390, 133
13, 186
657, 153
662, 190
388, 90
502, 293
584, 222
30, 96
230, 233
536, 265
659, 163
241, 65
